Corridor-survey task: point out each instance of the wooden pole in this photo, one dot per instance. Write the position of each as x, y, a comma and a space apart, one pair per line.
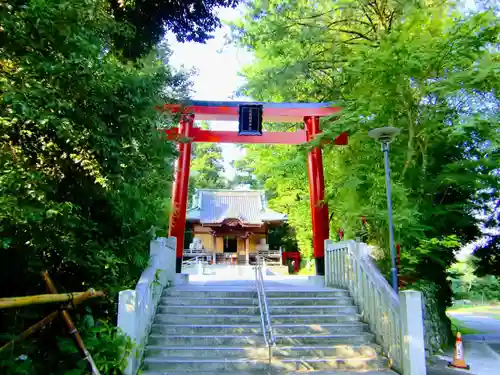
48, 298
73, 331
35, 327
42, 323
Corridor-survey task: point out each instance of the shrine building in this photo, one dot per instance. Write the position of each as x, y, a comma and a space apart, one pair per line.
231, 226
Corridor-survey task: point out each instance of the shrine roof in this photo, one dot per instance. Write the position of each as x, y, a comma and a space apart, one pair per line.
248, 206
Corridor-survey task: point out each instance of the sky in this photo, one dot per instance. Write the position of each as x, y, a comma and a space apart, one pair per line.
217, 66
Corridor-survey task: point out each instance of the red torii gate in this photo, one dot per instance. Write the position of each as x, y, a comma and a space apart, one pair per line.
309, 113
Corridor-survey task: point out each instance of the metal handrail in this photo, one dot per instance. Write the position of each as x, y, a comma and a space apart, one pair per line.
272, 340
194, 260
259, 297
268, 332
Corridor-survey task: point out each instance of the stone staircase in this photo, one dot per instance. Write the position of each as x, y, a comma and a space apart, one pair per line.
218, 330
321, 331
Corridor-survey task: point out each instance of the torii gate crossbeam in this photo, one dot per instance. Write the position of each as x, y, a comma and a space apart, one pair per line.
309, 113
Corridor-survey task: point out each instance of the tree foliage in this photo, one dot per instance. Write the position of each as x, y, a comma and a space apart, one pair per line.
207, 172
420, 66
467, 285
189, 20
281, 171
487, 254
282, 236
85, 176
207, 169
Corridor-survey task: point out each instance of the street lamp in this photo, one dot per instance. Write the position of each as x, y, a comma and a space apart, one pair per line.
385, 136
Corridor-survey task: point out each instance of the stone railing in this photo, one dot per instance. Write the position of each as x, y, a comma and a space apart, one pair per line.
137, 308
271, 256
396, 321
197, 252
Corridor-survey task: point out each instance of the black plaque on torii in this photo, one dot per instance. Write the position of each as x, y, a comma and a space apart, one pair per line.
250, 119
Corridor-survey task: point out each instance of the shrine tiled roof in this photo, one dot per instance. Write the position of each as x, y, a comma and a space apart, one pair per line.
247, 206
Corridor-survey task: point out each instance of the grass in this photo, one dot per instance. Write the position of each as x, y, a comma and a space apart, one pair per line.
461, 307
485, 309
458, 326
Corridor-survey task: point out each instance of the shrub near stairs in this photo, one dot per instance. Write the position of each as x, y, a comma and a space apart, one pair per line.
84, 173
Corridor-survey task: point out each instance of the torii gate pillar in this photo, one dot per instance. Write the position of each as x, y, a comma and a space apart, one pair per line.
319, 209
180, 187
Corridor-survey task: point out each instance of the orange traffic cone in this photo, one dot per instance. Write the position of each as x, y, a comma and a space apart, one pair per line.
458, 355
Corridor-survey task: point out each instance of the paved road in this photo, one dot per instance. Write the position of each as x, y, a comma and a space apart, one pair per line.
495, 347
481, 358
486, 321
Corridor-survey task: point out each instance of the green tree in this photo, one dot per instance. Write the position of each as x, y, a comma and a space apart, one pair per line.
282, 236
420, 66
85, 175
466, 285
282, 172
244, 174
487, 255
207, 169
463, 272
189, 20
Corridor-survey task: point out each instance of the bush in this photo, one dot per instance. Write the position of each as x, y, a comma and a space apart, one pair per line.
84, 174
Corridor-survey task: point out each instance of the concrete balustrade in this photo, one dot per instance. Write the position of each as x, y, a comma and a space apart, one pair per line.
396, 321
137, 308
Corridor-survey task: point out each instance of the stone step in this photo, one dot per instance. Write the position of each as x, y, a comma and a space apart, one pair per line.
207, 329
312, 294
172, 292
250, 319
341, 350
208, 301
295, 301
324, 339
206, 340
255, 329
254, 310
208, 351
273, 372
319, 328
311, 309
188, 365
333, 363
206, 319
270, 293
345, 351
242, 364
314, 318
208, 310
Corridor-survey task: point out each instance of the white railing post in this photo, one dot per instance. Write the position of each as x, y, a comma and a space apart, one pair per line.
412, 333
199, 267
127, 322
137, 308
327, 264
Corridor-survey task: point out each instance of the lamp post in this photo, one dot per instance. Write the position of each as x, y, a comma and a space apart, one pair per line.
385, 136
